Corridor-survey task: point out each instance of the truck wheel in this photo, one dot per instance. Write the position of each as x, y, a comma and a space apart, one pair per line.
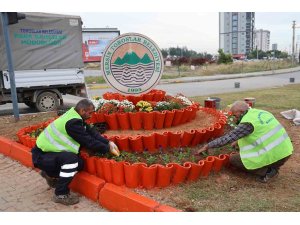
47, 101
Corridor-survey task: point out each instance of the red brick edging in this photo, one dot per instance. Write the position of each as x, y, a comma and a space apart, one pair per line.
112, 197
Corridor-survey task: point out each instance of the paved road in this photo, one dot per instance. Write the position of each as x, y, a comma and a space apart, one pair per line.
214, 87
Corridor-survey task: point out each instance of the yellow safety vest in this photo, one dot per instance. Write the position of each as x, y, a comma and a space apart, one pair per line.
268, 143
55, 137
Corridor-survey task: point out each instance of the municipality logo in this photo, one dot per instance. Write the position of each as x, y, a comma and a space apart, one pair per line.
132, 64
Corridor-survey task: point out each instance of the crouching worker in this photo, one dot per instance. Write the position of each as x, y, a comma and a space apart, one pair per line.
263, 143
56, 152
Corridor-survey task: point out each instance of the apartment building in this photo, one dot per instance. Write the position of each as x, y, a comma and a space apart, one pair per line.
236, 33
262, 40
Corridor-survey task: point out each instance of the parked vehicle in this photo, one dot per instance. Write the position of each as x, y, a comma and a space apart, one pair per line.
47, 57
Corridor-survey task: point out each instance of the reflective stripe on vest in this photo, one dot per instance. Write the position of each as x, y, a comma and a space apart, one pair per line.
53, 142
63, 137
267, 148
262, 139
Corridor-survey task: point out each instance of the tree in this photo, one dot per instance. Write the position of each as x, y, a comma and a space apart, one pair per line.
164, 52
224, 58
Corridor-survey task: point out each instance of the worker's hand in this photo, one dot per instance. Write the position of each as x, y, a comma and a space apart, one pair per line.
233, 144
113, 149
203, 149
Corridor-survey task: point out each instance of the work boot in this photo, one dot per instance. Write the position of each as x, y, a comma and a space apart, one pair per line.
66, 199
270, 175
51, 181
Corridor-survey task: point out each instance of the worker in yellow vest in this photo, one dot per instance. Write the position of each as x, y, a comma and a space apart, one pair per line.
56, 152
263, 143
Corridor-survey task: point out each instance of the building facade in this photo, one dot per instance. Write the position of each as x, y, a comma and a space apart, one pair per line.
236, 33
262, 40
274, 46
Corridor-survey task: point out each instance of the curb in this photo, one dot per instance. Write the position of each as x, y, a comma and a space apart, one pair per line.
112, 197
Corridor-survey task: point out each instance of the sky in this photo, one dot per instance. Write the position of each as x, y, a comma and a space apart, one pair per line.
196, 31
170, 23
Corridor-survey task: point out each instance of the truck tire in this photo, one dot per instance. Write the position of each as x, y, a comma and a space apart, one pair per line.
47, 101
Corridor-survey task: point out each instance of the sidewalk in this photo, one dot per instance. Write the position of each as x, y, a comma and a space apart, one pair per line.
24, 190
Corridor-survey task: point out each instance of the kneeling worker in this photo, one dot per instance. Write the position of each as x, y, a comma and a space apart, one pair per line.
56, 152
263, 143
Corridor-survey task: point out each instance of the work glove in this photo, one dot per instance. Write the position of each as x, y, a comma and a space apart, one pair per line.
113, 149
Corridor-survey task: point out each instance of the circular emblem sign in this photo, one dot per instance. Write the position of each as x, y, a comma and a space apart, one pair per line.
132, 64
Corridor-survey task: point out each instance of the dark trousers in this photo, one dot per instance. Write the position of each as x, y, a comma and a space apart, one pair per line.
61, 165
235, 161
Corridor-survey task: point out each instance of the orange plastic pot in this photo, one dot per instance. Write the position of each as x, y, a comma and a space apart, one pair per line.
195, 171
100, 117
32, 142
135, 120
169, 119
123, 143
210, 134
179, 172
131, 174
123, 121
194, 111
208, 165
219, 162
136, 143
149, 143
226, 161
148, 176
90, 165
111, 120
27, 141
219, 129
148, 120
136, 99
174, 139
148, 97
177, 117
162, 140
159, 119
99, 167
111, 138
187, 138
164, 175
187, 115
202, 136
158, 96
107, 172
117, 169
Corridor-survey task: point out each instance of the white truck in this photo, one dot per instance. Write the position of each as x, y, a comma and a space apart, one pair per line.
47, 58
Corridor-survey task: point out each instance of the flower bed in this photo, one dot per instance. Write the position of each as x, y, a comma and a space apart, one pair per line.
154, 170
143, 112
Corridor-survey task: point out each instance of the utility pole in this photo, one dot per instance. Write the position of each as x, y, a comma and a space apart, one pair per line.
293, 43
8, 19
